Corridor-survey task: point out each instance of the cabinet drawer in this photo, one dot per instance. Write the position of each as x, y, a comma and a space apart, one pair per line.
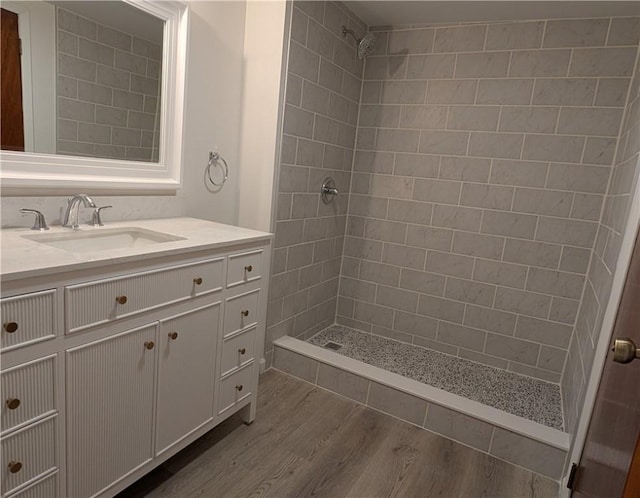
241, 312
237, 351
101, 301
32, 450
47, 487
28, 318
244, 267
235, 388
27, 392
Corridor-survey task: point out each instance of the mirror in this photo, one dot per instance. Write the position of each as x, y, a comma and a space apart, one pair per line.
91, 92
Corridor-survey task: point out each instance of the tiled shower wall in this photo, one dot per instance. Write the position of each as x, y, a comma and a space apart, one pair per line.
482, 162
321, 112
108, 88
624, 181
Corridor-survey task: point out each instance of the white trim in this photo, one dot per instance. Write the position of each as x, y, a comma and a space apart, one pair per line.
29, 171
493, 416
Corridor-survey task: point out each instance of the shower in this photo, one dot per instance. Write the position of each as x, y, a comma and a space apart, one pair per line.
365, 44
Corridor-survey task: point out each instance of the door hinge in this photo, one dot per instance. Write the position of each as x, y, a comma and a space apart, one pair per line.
20, 45
572, 476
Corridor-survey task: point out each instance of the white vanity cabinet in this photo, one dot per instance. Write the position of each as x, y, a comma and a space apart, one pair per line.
109, 369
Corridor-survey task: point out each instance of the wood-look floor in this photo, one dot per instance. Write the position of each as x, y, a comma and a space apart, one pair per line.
309, 442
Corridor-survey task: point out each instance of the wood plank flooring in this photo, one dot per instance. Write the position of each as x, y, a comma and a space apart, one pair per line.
309, 442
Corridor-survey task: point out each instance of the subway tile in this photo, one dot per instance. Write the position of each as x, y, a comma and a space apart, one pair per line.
602, 61
67, 43
449, 264
576, 33
397, 299
444, 142
587, 207
374, 162
335, 18
500, 273
451, 91
523, 302
304, 205
111, 151
540, 63
403, 92
344, 383
482, 65
505, 91
315, 98
371, 91
392, 334
309, 153
413, 41
423, 117
512, 349
564, 91
468, 169
299, 23
294, 304
97, 134
67, 87
539, 201
496, 145
612, 92
96, 52
362, 205
418, 165
320, 40
483, 118
532, 253
456, 217
416, 325
293, 178
441, 191
141, 120
564, 310
344, 56
429, 237
552, 359
408, 211
351, 86
590, 121
380, 115
484, 359
435, 345
444, 309
624, 31
76, 148
385, 68
490, 319
510, 224
295, 364
357, 289
575, 260
423, 282
397, 403
67, 130
374, 314
529, 119
298, 122
76, 68
303, 62
388, 231
288, 233
469, 292
543, 331
537, 373
519, 173
330, 76
147, 49
75, 110
283, 210
578, 178
570, 232
457, 335
128, 100
409, 257
486, 196
397, 140
125, 136
555, 283
553, 148
283, 284
379, 273
147, 86
473, 244
514, 35
460, 38
76, 24
429, 66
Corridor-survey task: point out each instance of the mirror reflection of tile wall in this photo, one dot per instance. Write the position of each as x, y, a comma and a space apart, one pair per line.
108, 91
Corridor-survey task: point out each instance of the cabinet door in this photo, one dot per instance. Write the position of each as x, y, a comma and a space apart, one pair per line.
110, 399
186, 374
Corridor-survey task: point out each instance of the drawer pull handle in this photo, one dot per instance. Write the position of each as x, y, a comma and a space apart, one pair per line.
245, 313
242, 350
13, 403
239, 387
10, 327
248, 268
15, 467
149, 344
121, 299
173, 335
197, 281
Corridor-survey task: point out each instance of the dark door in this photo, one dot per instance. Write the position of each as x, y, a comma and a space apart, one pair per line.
612, 439
12, 126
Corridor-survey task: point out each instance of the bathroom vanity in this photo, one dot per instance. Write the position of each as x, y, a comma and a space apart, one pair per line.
123, 344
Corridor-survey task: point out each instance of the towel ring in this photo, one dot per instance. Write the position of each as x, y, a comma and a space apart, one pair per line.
214, 160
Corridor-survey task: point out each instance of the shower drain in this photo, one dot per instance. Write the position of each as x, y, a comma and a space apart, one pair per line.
334, 346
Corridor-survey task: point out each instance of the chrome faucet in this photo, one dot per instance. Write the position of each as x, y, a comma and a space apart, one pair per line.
70, 219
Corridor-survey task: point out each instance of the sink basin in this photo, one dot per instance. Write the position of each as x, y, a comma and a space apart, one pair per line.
99, 239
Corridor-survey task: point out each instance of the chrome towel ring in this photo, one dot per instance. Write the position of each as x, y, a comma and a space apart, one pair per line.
214, 160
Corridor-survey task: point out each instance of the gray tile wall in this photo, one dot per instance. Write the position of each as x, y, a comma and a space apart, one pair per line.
108, 87
624, 181
321, 112
482, 162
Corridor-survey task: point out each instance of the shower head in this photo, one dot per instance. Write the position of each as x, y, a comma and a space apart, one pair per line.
365, 44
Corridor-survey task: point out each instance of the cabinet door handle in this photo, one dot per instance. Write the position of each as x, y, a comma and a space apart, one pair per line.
173, 335
239, 387
13, 403
10, 327
248, 268
121, 299
244, 312
15, 467
242, 350
197, 281
149, 344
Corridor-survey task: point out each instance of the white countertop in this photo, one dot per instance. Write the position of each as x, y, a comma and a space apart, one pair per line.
21, 257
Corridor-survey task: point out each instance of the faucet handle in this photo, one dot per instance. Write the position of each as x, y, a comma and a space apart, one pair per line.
39, 223
96, 221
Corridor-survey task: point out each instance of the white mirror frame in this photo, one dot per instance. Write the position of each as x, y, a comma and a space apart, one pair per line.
24, 171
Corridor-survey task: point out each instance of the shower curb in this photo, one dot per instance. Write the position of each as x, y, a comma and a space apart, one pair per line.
511, 438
